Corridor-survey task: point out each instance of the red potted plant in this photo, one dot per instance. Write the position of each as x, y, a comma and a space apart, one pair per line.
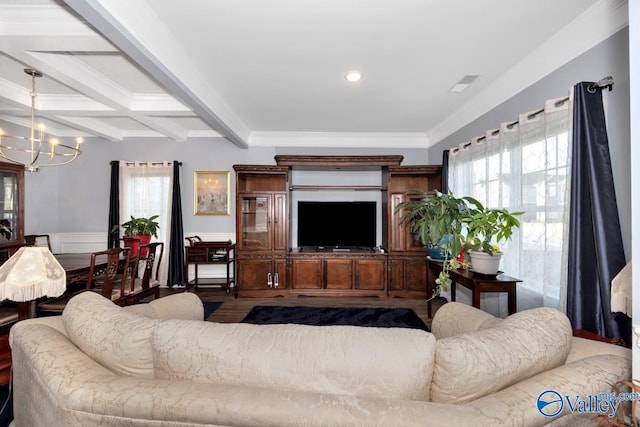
138, 231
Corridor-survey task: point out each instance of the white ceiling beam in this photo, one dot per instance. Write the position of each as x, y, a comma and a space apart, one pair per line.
91, 126
88, 81
156, 50
164, 126
81, 77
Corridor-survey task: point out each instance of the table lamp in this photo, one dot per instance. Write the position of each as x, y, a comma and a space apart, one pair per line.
32, 272
621, 291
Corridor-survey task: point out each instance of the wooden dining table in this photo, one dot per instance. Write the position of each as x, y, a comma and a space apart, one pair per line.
76, 267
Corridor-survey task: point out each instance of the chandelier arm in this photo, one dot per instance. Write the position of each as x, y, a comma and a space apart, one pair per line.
34, 151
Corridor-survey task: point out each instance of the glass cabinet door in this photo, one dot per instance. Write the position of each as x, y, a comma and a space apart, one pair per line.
11, 207
255, 230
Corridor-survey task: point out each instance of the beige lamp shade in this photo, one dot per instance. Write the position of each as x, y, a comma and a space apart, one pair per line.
621, 292
31, 273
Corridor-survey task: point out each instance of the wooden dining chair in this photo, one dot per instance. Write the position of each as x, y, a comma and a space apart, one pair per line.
149, 284
38, 240
108, 279
111, 283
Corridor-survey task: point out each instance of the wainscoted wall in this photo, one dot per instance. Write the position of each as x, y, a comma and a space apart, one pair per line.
93, 242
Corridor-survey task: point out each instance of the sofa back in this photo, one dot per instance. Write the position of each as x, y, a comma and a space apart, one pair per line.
389, 363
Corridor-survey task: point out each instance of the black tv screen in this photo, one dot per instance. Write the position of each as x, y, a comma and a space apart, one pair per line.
337, 224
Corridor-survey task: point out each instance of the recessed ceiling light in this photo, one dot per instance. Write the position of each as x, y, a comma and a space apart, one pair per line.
353, 76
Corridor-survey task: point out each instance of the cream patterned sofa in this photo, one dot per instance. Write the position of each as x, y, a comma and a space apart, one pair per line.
99, 364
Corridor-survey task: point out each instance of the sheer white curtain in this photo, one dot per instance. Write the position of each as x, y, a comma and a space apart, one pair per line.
145, 190
524, 166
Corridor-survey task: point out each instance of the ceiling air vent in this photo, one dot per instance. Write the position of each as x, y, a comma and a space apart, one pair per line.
464, 83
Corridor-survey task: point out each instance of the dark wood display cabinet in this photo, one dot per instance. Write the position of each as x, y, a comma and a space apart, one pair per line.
262, 228
407, 255
267, 265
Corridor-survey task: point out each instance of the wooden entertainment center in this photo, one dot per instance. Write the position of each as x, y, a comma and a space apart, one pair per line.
268, 266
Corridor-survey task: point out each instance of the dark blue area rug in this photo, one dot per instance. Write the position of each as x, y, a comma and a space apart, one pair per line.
210, 307
326, 316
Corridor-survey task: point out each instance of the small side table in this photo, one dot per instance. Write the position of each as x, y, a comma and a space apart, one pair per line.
477, 283
200, 252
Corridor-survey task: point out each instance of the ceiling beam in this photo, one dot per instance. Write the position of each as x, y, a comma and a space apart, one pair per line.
154, 49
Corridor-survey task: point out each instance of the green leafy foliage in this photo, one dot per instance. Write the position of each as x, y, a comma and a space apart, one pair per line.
486, 226
467, 223
140, 226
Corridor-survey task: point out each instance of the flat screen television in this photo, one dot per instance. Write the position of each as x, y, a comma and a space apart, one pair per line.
337, 224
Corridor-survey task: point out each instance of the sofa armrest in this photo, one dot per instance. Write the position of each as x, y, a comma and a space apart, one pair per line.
585, 377
183, 306
454, 318
582, 347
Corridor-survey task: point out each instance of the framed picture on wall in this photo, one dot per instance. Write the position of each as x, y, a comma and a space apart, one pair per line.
211, 192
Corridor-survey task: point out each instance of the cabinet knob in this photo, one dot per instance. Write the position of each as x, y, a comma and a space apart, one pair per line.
269, 280
275, 281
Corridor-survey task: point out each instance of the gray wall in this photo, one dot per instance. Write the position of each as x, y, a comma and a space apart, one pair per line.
609, 58
75, 198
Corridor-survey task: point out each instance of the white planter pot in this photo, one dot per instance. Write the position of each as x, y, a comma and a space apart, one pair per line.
483, 263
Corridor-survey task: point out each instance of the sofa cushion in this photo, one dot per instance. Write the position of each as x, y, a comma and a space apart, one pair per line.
456, 318
117, 339
391, 363
474, 364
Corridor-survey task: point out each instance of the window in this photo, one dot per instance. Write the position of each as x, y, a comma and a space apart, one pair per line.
524, 166
145, 190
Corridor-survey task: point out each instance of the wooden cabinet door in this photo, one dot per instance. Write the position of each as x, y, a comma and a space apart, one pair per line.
370, 274
338, 274
306, 274
280, 279
254, 218
254, 274
398, 232
280, 222
415, 278
396, 275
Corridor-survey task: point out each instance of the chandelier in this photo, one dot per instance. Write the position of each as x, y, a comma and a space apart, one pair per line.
35, 151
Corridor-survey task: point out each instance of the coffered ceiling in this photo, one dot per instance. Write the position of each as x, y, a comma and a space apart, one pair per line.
271, 72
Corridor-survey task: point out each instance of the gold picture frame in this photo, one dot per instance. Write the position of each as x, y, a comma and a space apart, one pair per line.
211, 192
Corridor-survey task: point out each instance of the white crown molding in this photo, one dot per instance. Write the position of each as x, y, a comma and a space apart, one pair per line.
596, 24
339, 139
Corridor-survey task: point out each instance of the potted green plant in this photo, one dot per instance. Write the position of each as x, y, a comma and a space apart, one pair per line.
486, 227
437, 218
138, 231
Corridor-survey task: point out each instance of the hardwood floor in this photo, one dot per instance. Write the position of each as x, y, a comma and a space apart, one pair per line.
234, 310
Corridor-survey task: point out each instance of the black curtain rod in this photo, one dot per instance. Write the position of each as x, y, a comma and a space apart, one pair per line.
152, 163
604, 83
607, 82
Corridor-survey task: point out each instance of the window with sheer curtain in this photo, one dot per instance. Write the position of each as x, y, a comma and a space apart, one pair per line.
524, 166
145, 190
